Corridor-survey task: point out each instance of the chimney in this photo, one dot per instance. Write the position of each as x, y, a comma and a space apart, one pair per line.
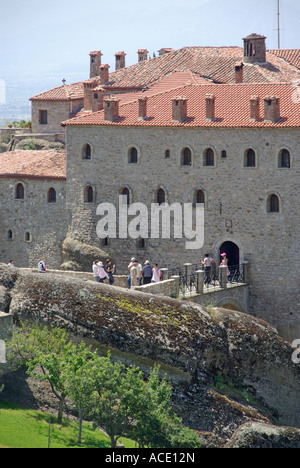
120, 60
272, 110
104, 74
98, 99
254, 108
143, 107
164, 50
142, 55
88, 94
95, 62
179, 109
210, 107
254, 49
239, 68
111, 109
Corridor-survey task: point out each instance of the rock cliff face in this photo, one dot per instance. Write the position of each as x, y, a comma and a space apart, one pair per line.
228, 368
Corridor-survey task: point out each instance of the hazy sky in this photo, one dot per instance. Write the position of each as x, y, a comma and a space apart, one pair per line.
40, 37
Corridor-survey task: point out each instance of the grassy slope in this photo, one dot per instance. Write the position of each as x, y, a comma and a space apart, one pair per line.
20, 428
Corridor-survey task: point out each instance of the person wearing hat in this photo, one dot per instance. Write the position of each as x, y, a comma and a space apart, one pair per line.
224, 262
147, 272
131, 264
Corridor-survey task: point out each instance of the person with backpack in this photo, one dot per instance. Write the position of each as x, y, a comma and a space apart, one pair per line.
42, 265
147, 272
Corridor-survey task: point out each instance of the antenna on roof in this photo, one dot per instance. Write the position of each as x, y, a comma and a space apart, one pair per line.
278, 22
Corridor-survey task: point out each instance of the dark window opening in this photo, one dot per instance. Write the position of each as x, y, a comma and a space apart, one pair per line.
43, 117
284, 159
209, 157
125, 193
273, 204
20, 192
89, 194
250, 158
87, 151
186, 157
160, 196
133, 156
51, 195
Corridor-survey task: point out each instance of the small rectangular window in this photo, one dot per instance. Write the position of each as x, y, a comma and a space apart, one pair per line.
43, 118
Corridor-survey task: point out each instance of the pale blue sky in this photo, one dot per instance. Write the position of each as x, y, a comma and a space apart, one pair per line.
42, 42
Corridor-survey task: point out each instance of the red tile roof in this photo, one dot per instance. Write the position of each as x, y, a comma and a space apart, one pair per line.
214, 63
292, 56
232, 107
46, 165
62, 93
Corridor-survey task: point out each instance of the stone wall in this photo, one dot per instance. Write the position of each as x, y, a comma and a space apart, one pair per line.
235, 200
37, 227
57, 112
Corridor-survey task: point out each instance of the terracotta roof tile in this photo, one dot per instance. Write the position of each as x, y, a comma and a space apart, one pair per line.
62, 93
47, 165
292, 56
232, 107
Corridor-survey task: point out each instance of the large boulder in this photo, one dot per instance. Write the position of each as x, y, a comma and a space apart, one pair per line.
259, 435
80, 256
227, 368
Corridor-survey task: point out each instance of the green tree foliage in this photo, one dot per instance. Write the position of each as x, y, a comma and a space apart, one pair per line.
116, 397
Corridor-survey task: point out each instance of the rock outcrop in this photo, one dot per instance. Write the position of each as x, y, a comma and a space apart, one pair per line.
228, 368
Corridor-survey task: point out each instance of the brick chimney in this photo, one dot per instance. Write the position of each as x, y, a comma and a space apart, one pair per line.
142, 55
143, 107
111, 109
88, 86
254, 108
104, 74
272, 109
179, 109
210, 107
239, 72
120, 60
95, 62
164, 50
254, 49
98, 99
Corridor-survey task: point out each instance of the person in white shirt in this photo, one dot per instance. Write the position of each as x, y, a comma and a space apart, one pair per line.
95, 270
156, 273
131, 264
102, 273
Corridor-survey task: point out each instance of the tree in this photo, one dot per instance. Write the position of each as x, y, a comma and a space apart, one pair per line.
119, 392
45, 352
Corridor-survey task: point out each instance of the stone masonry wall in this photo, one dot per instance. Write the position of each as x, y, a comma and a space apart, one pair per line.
235, 200
45, 223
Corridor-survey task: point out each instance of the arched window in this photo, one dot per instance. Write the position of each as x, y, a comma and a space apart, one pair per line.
167, 154
87, 151
209, 157
160, 196
186, 157
284, 158
125, 192
20, 192
88, 194
273, 205
133, 155
199, 196
9, 234
51, 195
27, 236
250, 159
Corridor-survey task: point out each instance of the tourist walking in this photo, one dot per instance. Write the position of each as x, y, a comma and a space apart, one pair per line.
95, 270
224, 262
110, 270
131, 264
147, 272
207, 262
156, 273
102, 273
134, 274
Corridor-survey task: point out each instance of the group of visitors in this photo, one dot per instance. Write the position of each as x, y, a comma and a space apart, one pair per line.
139, 275
210, 267
102, 272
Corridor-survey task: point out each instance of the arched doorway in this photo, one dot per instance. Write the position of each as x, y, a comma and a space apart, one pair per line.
232, 253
